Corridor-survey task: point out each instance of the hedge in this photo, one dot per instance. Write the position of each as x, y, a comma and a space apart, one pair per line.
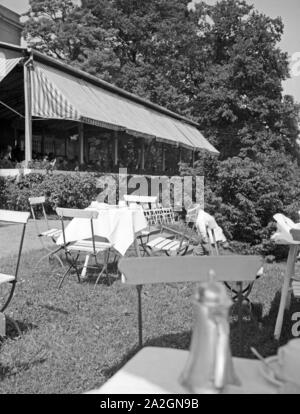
64, 190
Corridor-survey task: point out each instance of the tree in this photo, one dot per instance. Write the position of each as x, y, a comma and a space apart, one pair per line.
240, 103
219, 65
61, 29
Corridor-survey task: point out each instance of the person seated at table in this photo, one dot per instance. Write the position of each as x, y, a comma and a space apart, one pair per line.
206, 221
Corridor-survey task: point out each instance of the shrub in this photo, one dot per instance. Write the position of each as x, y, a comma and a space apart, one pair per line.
244, 194
64, 190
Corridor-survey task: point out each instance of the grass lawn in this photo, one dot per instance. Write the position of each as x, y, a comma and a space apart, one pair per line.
73, 341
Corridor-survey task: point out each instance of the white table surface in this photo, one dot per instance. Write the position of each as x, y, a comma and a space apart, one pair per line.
119, 225
157, 370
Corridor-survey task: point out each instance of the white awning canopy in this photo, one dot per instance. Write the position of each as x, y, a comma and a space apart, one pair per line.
7, 65
60, 91
61, 95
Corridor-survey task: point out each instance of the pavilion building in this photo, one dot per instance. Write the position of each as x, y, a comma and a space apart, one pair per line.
47, 106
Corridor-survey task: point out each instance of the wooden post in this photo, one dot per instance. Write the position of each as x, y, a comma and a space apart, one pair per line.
81, 143
180, 155
28, 112
163, 157
143, 154
43, 142
116, 148
193, 157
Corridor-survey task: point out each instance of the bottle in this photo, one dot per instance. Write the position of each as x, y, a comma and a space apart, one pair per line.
209, 368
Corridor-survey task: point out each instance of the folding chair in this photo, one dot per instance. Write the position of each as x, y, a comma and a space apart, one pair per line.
192, 214
239, 290
162, 269
166, 239
87, 247
8, 282
147, 202
49, 234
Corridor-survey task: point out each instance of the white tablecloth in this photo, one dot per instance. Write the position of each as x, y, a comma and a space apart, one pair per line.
118, 225
157, 370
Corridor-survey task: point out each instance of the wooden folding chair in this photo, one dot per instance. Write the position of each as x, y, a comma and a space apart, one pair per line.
166, 239
162, 269
87, 247
51, 233
8, 282
147, 202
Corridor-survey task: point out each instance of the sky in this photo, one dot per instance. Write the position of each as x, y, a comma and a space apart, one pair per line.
288, 10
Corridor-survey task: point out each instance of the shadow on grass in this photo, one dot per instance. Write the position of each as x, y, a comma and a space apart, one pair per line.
257, 332
8, 371
92, 274
180, 340
55, 309
12, 331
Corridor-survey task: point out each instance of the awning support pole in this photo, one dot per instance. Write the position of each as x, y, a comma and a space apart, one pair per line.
28, 111
143, 154
81, 143
193, 157
180, 155
116, 148
163, 158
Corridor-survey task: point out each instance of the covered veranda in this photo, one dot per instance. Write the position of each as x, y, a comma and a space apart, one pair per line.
48, 107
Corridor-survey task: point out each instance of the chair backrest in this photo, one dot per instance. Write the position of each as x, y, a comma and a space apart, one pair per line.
153, 270
192, 214
147, 202
212, 242
10, 216
213, 246
76, 213
164, 215
36, 203
67, 213
16, 217
163, 269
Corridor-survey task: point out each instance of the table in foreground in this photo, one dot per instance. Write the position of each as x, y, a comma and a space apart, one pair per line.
157, 370
288, 233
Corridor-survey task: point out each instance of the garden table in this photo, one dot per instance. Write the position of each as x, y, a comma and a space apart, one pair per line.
155, 370
119, 225
288, 233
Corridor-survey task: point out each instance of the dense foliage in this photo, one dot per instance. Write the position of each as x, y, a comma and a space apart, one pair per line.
63, 190
220, 65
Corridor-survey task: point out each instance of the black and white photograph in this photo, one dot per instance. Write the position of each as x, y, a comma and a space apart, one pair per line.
149, 200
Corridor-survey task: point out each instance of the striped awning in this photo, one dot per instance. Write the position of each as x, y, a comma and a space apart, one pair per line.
7, 65
61, 95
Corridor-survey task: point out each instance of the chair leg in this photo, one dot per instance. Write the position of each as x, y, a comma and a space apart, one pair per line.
240, 315
98, 278
104, 269
140, 316
64, 276
85, 266
74, 265
14, 323
48, 255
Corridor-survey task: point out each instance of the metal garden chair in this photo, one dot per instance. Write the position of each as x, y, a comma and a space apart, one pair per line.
8, 282
52, 233
87, 247
239, 289
162, 269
